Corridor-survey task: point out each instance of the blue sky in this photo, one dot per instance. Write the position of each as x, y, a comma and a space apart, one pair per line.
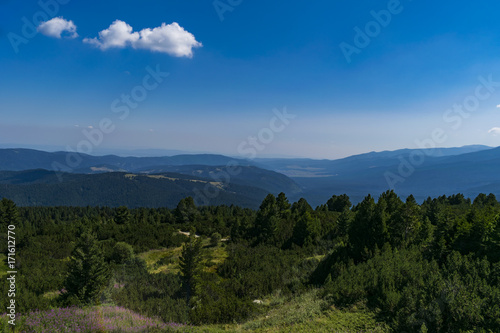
232, 64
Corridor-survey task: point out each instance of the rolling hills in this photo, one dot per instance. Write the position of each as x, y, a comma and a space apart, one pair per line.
101, 180
26, 159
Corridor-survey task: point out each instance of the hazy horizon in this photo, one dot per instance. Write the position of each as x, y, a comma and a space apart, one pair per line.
147, 152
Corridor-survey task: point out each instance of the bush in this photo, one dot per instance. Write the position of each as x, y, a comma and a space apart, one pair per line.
122, 253
215, 239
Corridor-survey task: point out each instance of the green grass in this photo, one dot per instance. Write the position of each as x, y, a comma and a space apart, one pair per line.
309, 313
318, 257
52, 294
167, 260
214, 256
162, 261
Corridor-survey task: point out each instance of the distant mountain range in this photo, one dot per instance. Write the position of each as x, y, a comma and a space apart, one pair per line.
27, 176
430, 172
26, 159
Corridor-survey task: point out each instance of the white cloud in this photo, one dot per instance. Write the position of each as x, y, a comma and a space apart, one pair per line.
168, 38
118, 34
57, 26
495, 131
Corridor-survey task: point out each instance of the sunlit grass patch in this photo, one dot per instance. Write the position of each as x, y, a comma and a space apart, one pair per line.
309, 313
318, 257
167, 260
163, 260
52, 294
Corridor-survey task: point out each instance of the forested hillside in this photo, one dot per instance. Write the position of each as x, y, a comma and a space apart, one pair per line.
384, 265
46, 188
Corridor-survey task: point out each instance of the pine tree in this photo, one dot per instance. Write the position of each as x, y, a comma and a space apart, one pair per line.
186, 210
88, 274
344, 222
338, 203
190, 261
285, 223
122, 215
407, 220
8, 212
266, 222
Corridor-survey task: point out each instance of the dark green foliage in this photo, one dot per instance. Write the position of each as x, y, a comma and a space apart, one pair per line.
215, 302
115, 189
122, 215
437, 270
186, 210
361, 233
215, 239
266, 222
285, 224
301, 207
344, 223
88, 274
150, 294
8, 213
412, 291
122, 253
257, 271
406, 223
307, 230
434, 266
338, 203
190, 263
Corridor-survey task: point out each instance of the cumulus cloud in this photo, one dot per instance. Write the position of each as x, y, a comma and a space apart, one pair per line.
168, 38
118, 34
57, 26
495, 131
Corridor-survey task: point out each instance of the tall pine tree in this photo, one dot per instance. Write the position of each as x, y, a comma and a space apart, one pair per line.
8, 213
190, 261
88, 274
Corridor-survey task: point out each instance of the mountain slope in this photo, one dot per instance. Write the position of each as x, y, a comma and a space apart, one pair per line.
270, 181
470, 174
357, 163
43, 188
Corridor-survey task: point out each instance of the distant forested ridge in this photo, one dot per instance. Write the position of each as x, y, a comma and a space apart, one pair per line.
113, 189
469, 170
431, 266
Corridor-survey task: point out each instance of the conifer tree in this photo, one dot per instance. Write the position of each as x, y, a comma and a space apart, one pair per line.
266, 222
190, 261
123, 215
339, 203
8, 212
88, 274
